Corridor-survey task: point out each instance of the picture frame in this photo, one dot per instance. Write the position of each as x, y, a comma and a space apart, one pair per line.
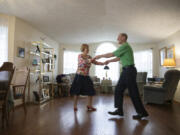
162, 55
21, 52
45, 78
171, 52
45, 93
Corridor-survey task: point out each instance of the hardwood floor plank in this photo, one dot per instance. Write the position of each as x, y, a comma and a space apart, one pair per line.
58, 118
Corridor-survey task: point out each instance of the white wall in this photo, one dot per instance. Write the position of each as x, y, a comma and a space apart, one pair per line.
24, 35
172, 40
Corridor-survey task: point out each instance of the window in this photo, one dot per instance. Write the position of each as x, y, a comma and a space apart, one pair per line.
3, 39
70, 62
143, 61
113, 72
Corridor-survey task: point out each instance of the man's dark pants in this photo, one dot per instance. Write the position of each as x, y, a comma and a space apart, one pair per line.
128, 80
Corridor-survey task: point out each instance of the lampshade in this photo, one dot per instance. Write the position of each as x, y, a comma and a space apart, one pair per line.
169, 63
178, 63
106, 68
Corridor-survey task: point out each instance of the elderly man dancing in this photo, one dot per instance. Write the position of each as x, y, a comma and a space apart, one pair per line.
127, 79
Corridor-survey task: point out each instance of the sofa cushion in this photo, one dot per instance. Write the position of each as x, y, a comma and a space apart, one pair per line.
154, 88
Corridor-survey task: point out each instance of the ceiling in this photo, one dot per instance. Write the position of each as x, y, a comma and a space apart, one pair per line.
77, 21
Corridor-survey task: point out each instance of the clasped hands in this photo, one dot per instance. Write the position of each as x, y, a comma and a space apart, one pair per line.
93, 60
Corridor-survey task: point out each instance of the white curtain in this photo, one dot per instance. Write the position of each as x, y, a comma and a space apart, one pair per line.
3, 39
70, 61
143, 61
114, 69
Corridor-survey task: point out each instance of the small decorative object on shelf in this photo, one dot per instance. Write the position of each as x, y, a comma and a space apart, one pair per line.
55, 56
47, 60
42, 64
46, 93
38, 50
34, 62
43, 61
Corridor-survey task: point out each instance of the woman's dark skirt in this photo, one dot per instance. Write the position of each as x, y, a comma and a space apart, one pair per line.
82, 85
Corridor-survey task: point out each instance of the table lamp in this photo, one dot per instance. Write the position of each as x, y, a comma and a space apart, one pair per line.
106, 68
169, 63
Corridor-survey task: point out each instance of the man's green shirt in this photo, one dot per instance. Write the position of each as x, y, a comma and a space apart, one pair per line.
125, 53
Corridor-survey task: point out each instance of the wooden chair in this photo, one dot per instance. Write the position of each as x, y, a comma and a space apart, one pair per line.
19, 84
6, 74
7, 66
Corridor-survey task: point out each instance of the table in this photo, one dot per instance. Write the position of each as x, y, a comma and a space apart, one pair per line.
107, 88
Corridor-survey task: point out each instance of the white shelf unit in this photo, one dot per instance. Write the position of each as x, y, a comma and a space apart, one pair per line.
43, 54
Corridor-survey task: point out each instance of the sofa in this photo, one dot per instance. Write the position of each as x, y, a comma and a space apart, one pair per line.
159, 94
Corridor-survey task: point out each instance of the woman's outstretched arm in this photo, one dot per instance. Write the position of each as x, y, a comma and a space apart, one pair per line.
107, 55
96, 62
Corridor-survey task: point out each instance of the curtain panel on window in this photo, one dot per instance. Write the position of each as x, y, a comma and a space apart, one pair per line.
70, 61
3, 39
143, 61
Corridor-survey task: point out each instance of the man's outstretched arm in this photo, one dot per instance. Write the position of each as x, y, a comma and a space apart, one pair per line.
112, 60
107, 55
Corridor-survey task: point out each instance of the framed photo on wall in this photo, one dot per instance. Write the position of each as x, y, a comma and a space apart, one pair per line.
45, 93
163, 55
171, 52
21, 52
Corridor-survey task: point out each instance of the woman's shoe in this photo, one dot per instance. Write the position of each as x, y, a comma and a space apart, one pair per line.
90, 108
75, 109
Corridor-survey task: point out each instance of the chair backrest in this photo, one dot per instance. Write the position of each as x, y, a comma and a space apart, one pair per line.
141, 77
20, 76
19, 81
7, 66
6, 74
171, 79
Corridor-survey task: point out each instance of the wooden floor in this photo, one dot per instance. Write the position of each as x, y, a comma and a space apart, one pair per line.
58, 118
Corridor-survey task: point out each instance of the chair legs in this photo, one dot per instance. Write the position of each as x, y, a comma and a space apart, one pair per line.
5, 117
25, 110
24, 105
